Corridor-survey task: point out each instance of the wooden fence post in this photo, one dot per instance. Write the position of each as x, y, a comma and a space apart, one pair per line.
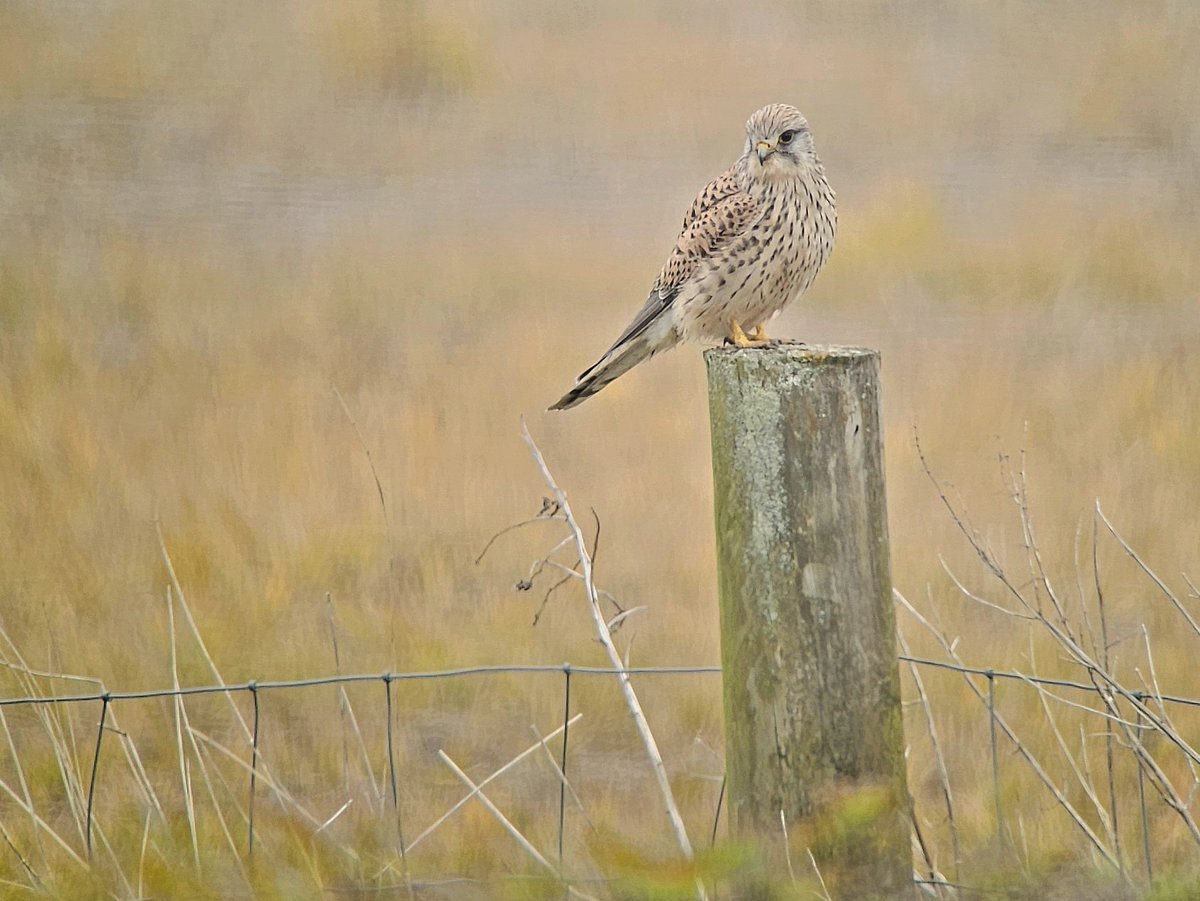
811, 681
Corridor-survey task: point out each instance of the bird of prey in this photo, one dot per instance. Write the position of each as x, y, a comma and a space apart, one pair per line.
751, 243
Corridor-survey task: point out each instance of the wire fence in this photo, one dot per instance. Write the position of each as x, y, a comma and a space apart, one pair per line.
568, 671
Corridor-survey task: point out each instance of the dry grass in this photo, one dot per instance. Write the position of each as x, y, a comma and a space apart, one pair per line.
213, 217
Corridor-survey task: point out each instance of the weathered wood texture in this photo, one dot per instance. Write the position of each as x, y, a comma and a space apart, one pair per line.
811, 682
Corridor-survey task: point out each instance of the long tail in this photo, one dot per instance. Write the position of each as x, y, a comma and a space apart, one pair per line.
610, 367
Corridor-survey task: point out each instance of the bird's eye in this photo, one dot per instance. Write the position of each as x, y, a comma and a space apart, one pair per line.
786, 137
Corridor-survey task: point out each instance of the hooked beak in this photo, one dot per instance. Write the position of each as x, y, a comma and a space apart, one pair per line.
765, 149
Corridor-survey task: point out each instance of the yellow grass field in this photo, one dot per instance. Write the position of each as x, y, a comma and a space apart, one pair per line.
254, 258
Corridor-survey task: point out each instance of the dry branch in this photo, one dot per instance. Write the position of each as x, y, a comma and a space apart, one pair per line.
500, 772
631, 699
512, 830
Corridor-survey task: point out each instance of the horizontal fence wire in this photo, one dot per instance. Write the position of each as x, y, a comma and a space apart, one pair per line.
388, 677
255, 687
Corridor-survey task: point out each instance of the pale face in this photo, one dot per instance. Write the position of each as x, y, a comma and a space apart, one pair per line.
778, 143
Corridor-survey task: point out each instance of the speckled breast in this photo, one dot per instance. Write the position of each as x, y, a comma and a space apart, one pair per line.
769, 266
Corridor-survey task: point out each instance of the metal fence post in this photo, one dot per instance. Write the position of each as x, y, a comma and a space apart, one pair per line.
808, 647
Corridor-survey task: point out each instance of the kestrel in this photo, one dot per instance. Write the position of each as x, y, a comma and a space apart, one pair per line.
751, 243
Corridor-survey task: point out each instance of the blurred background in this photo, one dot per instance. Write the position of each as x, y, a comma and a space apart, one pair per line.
255, 256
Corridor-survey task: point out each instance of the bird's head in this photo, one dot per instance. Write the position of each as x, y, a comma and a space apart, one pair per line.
778, 142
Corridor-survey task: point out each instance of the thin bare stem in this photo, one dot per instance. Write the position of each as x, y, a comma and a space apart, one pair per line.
20, 770
546, 515
1062, 633
562, 777
1195, 592
12, 846
631, 700
285, 798
42, 824
820, 879
1020, 747
341, 691
500, 772
1162, 586
1106, 663
180, 723
787, 846
512, 830
337, 813
1089, 789
970, 595
181, 600
362, 441
939, 758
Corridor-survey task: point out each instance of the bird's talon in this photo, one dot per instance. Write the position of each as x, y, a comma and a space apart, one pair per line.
739, 338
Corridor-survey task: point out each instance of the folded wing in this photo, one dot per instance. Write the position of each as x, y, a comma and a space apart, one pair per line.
720, 213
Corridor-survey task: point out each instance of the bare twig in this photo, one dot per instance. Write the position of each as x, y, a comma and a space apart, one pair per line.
504, 821
1194, 591
12, 846
1062, 633
1178, 604
546, 514
46, 827
504, 769
1106, 646
970, 595
185, 778
820, 879
619, 620
939, 758
631, 700
1089, 789
787, 847
1020, 747
562, 777
362, 441
346, 712
285, 798
181, 600
337, 813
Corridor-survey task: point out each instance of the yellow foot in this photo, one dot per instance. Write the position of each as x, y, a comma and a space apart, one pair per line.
757, 339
